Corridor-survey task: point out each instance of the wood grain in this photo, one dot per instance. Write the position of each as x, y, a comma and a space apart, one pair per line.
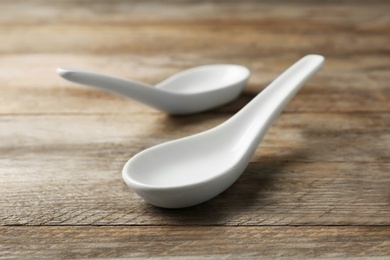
303, 137
196, 242
317, 187
269, 193
359, 88
121, 41
314, 174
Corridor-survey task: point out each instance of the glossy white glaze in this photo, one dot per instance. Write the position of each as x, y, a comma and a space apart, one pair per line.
191, 170
190, 91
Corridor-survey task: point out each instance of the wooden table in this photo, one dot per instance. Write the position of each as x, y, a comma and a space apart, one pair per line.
318, 185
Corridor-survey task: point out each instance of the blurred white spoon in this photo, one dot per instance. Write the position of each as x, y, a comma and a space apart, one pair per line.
191, 170
190, 91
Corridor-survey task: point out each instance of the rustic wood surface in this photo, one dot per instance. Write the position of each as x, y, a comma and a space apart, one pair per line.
317, 187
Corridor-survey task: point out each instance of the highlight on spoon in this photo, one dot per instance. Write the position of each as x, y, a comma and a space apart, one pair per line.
190, 91
194, 169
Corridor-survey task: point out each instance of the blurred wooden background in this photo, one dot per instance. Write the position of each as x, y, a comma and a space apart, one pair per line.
318, 186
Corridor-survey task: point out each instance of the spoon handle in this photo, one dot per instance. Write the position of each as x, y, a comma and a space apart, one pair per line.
135, 90
258, 115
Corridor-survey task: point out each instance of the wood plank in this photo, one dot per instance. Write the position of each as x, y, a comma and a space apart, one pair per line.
195, 242
269, 193
359, 13
66, 170
302, 137
356, 85
248, 42
355, 77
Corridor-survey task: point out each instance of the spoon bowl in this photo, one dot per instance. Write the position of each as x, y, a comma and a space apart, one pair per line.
194, 169
190, 91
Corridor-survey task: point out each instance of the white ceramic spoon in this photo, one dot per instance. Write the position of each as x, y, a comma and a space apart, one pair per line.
191, 170
190, 91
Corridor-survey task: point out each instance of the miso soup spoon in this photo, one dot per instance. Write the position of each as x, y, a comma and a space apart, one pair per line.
190, 91
194, 169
